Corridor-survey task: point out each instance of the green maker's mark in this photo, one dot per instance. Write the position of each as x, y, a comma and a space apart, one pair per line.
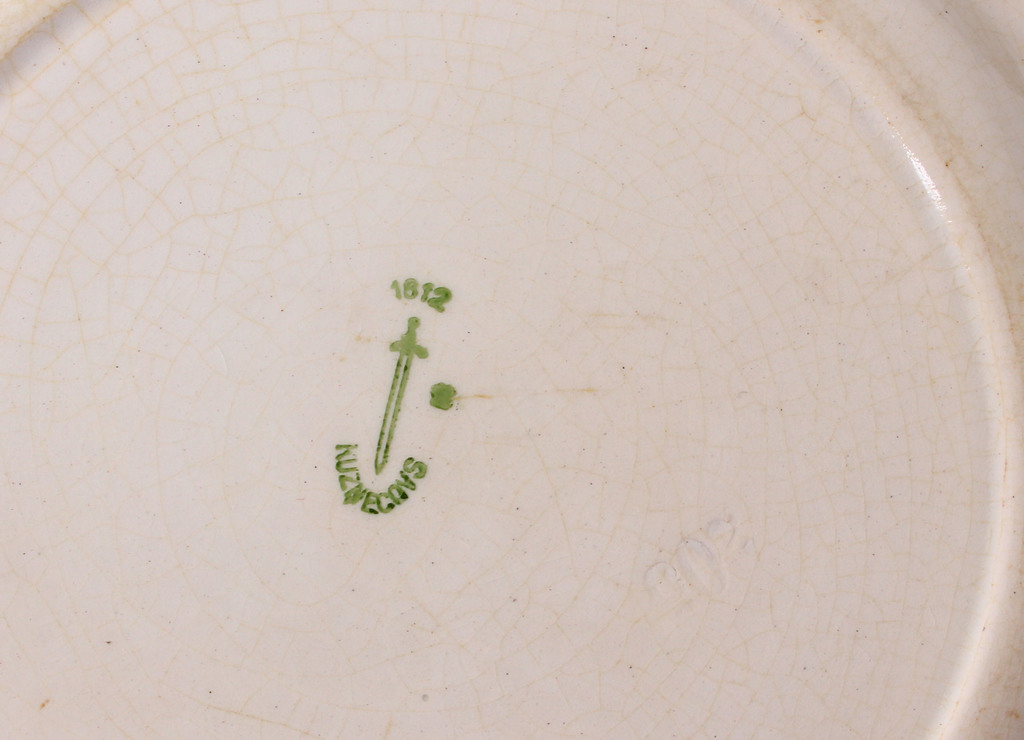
441, 397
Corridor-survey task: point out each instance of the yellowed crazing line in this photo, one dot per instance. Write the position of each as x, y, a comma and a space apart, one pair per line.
18, 17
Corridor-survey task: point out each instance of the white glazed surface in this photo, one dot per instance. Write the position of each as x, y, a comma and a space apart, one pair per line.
736, 446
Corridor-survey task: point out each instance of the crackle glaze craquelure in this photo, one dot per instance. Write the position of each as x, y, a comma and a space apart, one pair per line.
611, 369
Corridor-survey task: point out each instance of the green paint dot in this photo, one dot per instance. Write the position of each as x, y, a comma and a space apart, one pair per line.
441, 396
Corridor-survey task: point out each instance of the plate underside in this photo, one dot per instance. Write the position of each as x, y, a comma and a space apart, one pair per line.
725, 449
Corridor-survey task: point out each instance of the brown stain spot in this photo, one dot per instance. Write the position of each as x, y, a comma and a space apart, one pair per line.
361, 338
45, 702
588, 389
1013, 713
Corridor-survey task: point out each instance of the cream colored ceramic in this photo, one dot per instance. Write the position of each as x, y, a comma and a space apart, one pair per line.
633, 369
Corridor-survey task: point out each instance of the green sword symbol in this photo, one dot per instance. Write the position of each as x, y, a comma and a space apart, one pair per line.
406, 348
